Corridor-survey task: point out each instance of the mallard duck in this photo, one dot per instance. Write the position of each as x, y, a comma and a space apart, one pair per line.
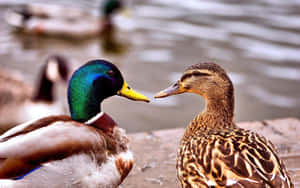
213, 151
20, 102
86, 149
55, 20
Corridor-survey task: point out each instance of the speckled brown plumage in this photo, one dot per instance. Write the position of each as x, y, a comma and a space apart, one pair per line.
220, 155
213, 151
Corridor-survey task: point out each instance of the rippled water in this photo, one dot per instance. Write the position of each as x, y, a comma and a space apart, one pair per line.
257, 42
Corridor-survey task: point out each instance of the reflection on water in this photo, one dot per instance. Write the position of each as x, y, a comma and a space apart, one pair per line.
256, 41
156, 56
267, 97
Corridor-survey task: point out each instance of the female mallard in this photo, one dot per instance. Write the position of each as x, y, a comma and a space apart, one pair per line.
19, 102
87, 149
55, 20
214, 152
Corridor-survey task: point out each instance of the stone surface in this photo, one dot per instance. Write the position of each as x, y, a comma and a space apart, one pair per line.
155, 152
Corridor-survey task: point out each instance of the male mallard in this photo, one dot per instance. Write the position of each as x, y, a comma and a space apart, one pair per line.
55, 20
87, 149
19, 102
213, 151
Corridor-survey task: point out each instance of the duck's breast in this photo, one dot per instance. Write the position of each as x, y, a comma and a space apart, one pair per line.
81, 170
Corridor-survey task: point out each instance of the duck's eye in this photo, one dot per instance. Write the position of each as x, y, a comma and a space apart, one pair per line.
128, 87
196, 73
187, 87
110, 73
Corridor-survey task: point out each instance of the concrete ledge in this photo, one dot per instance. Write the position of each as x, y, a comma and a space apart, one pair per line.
155, 152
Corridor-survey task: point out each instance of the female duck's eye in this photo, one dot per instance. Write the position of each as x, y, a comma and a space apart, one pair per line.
110, 73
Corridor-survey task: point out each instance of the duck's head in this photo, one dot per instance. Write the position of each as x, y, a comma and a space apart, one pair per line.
206, 79
109, 7
94, 82
55, 69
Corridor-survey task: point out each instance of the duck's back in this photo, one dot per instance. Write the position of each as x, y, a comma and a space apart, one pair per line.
229, 157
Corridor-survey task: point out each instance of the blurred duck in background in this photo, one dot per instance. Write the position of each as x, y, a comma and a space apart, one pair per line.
20, 102
61, 21
87, 149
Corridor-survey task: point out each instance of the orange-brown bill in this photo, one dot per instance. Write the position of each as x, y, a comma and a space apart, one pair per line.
172, 90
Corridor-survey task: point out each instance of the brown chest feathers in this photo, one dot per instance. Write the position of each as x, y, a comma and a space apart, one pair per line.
216, 154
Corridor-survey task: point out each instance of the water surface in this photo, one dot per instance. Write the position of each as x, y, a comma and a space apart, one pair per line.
257, 42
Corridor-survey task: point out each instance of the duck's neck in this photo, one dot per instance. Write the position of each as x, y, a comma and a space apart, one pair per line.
220, 107
91, 114
102, 121
218, 114
84, 110
44, 91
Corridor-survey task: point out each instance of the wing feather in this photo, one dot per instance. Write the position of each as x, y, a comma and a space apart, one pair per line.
236, 158
27, 148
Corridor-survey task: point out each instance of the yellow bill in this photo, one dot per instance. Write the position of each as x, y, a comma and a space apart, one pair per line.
131, 94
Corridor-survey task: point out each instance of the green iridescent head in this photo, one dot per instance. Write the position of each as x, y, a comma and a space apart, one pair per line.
110, 6
91, 84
